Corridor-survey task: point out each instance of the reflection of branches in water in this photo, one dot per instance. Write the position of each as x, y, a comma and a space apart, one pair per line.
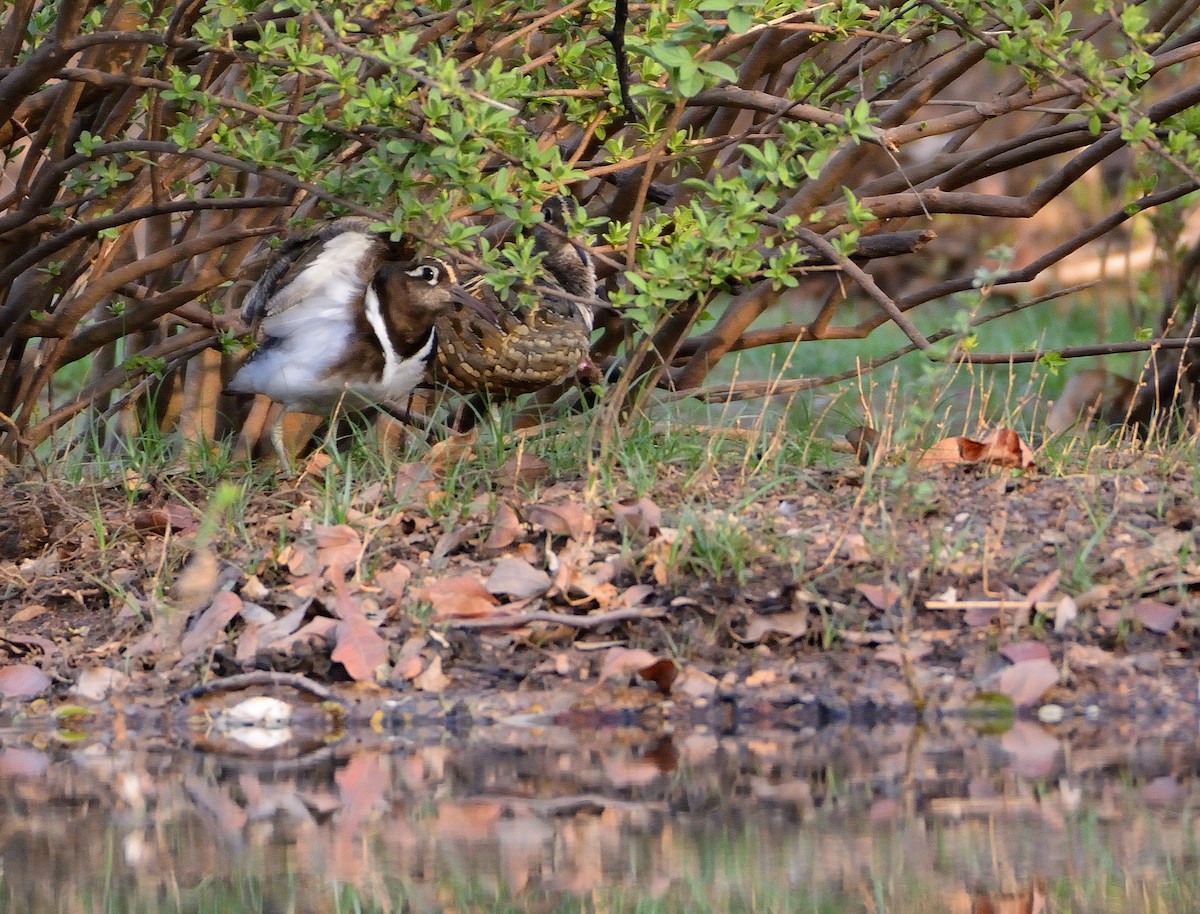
582, 813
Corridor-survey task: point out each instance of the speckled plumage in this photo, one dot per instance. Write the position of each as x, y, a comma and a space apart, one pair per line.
522, 349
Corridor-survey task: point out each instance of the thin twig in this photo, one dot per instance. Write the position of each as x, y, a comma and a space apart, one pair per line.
573, 621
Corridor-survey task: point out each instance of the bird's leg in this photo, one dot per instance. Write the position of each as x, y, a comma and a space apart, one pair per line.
276, 433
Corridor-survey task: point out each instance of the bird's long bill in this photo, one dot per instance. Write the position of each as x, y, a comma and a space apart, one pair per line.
463, 297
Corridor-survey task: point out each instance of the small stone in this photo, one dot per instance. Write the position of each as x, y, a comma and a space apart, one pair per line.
1050, 714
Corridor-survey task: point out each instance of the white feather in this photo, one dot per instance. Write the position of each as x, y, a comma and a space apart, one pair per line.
329, 288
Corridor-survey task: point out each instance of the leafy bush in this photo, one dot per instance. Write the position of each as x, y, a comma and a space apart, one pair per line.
729, 155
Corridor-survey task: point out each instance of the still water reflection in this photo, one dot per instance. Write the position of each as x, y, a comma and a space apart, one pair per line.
526, 819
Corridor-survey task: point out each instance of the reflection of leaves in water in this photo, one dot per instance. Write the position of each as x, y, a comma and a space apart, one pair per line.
618, 814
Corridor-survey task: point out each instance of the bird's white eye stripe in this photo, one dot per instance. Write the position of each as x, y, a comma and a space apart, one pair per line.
425, 273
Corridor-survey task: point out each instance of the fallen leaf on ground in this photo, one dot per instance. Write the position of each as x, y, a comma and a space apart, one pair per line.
864, 440
1019, 651
1155, 615
22, 680
1026, 682
894, 653
169, 517
433, 679
360, 649
642, 517
391, 583
854, 549
1002, 448
209, 627
784, 626
506, 528
626, 661
561, 519
881, 596
414, 482
696, 683
1042, 589
460, 597
517, 578
97, 683
525, 469
634, 596
338, 547
449, 451
1065, 613
662, 673
197, 583
321, 628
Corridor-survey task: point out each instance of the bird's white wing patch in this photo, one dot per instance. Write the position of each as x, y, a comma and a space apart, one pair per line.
329, 288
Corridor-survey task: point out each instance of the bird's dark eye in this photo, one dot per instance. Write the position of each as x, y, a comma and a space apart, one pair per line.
425, 273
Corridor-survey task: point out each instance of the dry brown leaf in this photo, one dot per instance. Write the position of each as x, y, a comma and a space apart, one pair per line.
913, 652
1162, 791
561, 519
98, 682
625, 661
414, 482
569, 568
696, 684
1002, 448
170, 516
433, 679
22, 680
1026, 682
321, 628
1005, 448
407, 667
524, 469
946, 451
864, 440
854, 549
517, 578
300, 561
1155, 615
881, 596
662, 673
761, 678
360, 649
209, 627
198, 582
451, 451
460, 597
637, 595
506, 528
46, 646
29, 613
284, 625
1044, 588
392, 583
450, 542
1020, 651
784, 626
977, 616
338, 548
641, 517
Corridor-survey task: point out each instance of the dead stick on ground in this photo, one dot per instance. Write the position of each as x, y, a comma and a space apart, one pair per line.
594, 621
260, 678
